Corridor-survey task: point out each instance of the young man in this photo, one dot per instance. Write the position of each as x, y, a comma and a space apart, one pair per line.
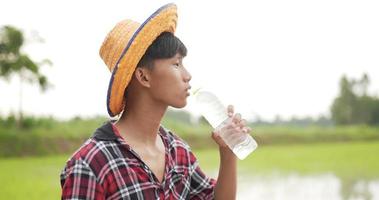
135, 157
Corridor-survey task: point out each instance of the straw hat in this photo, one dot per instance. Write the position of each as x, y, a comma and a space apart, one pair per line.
125, 45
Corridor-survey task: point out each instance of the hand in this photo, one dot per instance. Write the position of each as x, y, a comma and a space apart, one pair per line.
234, 131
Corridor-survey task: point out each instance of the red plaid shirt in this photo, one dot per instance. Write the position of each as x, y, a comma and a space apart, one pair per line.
105, 167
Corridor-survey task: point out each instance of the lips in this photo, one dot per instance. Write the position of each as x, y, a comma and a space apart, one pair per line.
187, 90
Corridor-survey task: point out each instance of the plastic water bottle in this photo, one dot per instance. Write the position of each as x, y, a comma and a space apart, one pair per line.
216, 114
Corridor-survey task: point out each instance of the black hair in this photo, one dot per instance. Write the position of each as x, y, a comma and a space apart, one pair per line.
166, 45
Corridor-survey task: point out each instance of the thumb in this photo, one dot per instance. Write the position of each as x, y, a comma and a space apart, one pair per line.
215, 134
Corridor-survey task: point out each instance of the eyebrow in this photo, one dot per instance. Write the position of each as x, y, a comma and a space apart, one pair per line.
180, 56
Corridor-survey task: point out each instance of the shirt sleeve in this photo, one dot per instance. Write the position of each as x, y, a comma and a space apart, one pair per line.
202, 187
79, 182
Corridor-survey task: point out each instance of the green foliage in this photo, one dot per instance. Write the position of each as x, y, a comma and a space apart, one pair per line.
46, 135
354, 105
8, 122
313, 134
178, 115
12, 60
321, 121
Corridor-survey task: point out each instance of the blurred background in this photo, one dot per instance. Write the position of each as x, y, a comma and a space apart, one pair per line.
305, 74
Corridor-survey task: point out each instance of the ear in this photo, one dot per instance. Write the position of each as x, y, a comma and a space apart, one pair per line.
143, 76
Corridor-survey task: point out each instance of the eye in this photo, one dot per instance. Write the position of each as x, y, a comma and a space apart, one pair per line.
177, 65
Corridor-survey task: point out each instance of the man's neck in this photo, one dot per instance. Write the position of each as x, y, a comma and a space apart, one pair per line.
140, 123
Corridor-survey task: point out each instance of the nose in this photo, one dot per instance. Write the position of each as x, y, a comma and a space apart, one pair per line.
187, 76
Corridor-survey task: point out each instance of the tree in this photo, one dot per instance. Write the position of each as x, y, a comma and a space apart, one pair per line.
14, 61
354, 105
343, 105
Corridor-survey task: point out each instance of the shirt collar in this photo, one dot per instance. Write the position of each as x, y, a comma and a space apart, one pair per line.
107, 132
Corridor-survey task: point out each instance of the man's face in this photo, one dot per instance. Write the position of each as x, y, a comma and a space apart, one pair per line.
170, 81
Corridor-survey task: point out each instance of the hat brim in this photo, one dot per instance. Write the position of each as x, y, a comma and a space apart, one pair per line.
162, 20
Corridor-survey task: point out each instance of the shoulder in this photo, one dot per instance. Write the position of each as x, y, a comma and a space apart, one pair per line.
97, 152
92, 154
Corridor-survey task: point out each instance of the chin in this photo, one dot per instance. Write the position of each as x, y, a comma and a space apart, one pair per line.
179, 105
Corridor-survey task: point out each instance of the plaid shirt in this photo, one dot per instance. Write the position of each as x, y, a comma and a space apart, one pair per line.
105, 167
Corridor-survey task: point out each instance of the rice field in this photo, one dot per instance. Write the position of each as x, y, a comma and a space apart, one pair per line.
38, 177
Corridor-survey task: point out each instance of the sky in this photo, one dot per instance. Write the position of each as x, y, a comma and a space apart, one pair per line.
267, 58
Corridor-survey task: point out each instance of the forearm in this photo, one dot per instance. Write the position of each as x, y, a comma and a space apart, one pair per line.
226, 187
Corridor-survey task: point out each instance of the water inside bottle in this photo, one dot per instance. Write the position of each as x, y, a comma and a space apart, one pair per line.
211, 108
216, 114
243, 149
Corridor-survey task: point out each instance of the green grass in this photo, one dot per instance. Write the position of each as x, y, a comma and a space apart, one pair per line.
38, 177
30, 178
346, 160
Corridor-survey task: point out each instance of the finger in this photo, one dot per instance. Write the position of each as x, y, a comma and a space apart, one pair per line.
242, 123
230, 110
231, 125
249, 129
237, 138
246, 129
237, 118
233, 128
215, 134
